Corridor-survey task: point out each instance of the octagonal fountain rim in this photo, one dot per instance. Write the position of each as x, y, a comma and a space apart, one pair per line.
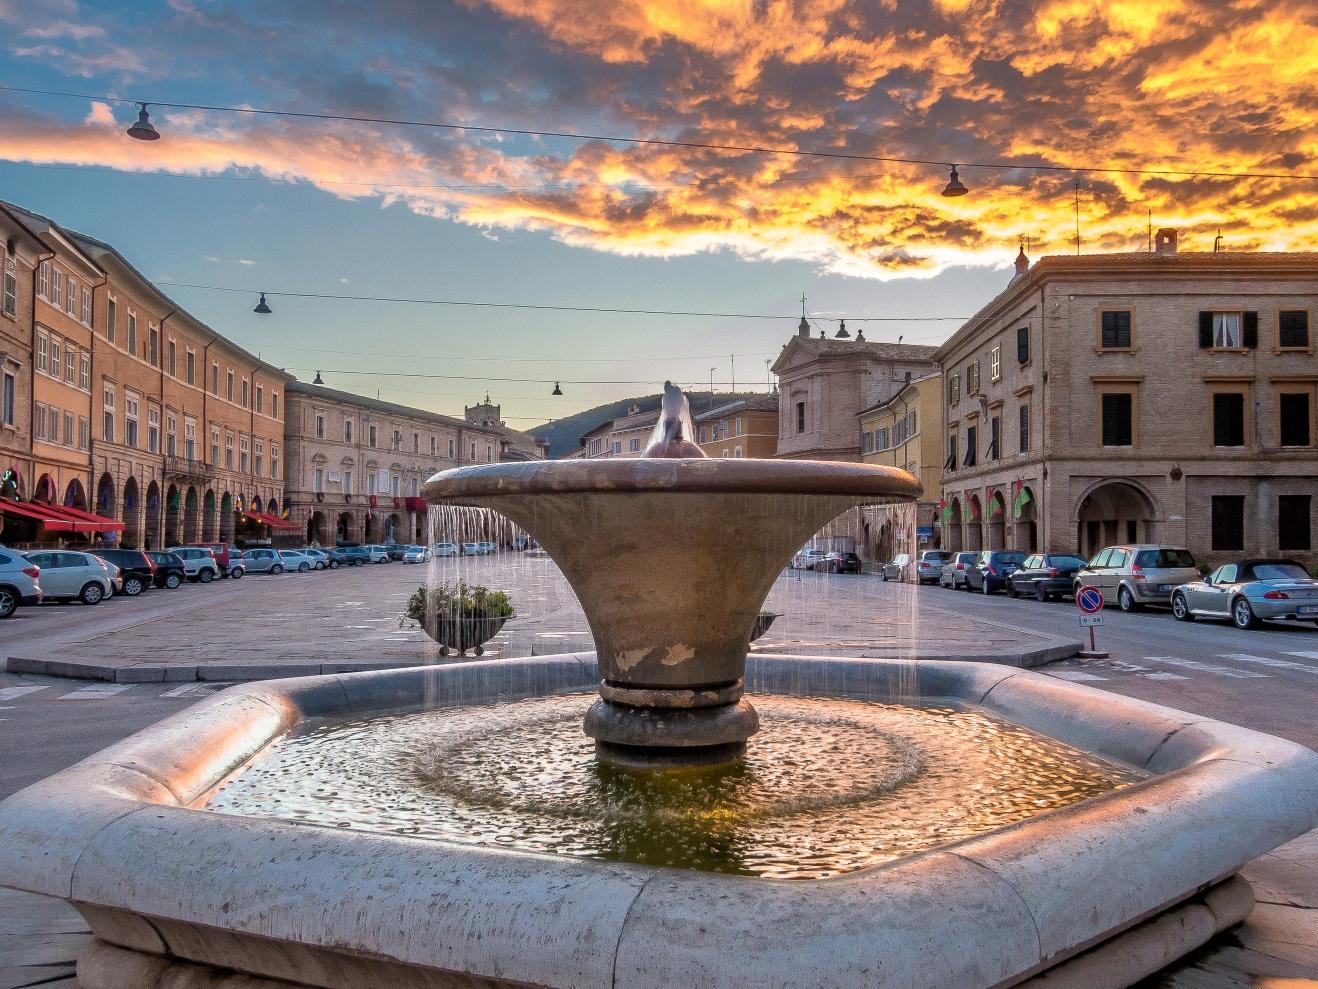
679, 475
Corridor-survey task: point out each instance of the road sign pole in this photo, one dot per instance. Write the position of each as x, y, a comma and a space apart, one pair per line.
1089, 600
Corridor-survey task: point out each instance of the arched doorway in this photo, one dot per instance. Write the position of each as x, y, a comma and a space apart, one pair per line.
345, 529
11, 484
1114, 512
191, 516
316, 529
209, 517
974, 524
995, 523
131, 517
392, 527
153, 540
953, 526
272, 508
173, 514
105, 499
45, 489
228, 518
1025, 523
75, 496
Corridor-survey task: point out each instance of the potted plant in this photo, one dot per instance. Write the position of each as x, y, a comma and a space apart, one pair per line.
458, 616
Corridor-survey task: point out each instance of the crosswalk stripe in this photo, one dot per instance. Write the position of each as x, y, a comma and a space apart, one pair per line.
1194, 664
12, 693
1310, 654
1278, 664
197, 689
97, 691
1077, 675
1164, 676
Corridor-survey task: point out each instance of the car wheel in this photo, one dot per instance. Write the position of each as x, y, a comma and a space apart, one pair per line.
91, 594
1181, 609
276, 569
8, 602
237, 572
1126, 601
303, 567
1040, 594
133, 586
206, 576
1011, 590
172, 581
883, 576
334, 564
1243, 615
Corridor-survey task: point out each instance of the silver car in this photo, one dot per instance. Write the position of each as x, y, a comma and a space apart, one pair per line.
263, 561
955, 570
70, 576
929, 567
1248, 591
199, 564
18, 582
898, 568
1138, 574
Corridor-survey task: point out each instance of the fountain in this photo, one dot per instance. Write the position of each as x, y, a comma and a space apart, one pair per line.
896, 822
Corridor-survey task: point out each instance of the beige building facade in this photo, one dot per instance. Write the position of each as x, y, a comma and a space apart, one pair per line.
22, 250
355, 465
747, 427
1161, 397
626, 436
906, 431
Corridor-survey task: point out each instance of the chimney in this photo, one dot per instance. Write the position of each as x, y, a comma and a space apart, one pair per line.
1165, 242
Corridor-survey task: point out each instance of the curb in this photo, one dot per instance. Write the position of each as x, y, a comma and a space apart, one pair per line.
226, 672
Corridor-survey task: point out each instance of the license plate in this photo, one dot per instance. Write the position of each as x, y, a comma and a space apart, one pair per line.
1164, 587
1308, 609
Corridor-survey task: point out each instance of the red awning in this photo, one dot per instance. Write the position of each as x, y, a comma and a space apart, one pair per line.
261, 518
33, 510
86, 521
415, 504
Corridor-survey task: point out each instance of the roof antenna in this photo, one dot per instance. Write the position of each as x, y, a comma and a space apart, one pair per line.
1218, 242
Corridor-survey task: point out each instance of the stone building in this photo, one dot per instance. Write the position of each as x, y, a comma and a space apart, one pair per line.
906, 431
626, 436
1161, 397
514, 445
22, 251
355, 465
823, 383
747, 427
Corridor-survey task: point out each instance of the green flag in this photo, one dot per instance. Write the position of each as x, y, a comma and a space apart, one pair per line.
1021, 501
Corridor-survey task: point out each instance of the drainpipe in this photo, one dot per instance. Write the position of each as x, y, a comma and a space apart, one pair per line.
32, 398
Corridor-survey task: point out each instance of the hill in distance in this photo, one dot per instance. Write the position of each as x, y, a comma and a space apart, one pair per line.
564, 435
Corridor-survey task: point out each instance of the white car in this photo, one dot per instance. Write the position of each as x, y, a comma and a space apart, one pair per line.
444, 549
70, 576
378, 553
198, 563
19, 582
416, 554
296, 559
262, 560
807, 559
321, 558
472, 549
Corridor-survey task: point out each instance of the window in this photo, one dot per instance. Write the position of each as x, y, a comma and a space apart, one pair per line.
246, 391
1115, 330
1118, 419
11, 287
228, 386
866, 442
347, 430
56, 287
320, 425
398, 440
85, 371
71, 298
972, 377
130, 419
451, 448
737, 426
969, 459
39, 421
881, 438
634, 446
372, 435
243, 450
228, 450
171, 435
1292, 327
347, 482
416, 442
434, 447
950, 464
84, 433
56, 352
318, 480
43, 352
215, 447
489, 454
153, 429
1025, 429
473, 453
258, 461
1228, 330
8, 398
70, 365
393, 485
1228, 522
43, 278
191, 365
132, 334
995, 365
1294, 516
274, 404
617, 448
274, 466
52, 427
111, 314
736, 451
800, 417
153, 346
190, 439
370, 481
87, 306
68, 429
171, 360
995, 439
1294, 413
108, 407
215, 379
260, 401
1228, 419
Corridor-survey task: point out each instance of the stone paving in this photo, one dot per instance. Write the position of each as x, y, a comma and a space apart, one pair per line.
349, 619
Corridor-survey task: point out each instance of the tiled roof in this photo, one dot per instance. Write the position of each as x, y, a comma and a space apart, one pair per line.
388, 408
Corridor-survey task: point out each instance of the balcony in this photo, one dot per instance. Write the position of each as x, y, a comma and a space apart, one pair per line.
186, 468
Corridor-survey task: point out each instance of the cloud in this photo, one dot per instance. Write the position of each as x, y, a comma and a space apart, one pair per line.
246, 261
1156, 83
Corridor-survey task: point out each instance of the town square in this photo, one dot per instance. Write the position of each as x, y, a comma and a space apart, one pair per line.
769, 494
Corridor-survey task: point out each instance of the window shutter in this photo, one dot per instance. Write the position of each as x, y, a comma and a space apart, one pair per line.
1205, 330
1251, 335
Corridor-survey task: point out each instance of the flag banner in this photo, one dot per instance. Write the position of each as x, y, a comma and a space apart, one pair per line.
1022, 500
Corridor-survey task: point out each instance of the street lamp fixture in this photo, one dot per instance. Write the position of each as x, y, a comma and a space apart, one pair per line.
954, 185
143, 129
557, 390
262, 307
318, 380
842, 332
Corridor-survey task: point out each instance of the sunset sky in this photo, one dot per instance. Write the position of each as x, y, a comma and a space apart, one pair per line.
261, 202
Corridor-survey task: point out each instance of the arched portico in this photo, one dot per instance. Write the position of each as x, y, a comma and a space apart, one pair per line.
974, 524
1025, 524
1114, 512
153, 538
131, 515
75, 495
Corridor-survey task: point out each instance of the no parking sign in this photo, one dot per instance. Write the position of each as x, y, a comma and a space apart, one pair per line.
1089, 600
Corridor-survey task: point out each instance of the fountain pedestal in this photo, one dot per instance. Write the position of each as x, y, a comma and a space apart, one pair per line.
671, 559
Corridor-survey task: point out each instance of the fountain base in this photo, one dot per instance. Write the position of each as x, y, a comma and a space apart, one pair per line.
649, 726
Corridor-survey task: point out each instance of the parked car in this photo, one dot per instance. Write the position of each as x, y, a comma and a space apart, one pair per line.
377, 554
1138, 574
896, 568
1250, 591
20, 582
929, 565
228, 559
198, 562
395, 550
444, 549
1044, 576
806, 559
992, 571
319, 557
262, 560
471, 549
170, 569
348, 556
136, 568
416, 554
70, 576
840, 563
114, 573
954, 570
296, 559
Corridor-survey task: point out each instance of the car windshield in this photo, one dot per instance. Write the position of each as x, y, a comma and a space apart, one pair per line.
1164, 558
937, 556
1016, 558
1065, 561
1279, 571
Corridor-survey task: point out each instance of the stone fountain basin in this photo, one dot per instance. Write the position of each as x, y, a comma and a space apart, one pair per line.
1102, 892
